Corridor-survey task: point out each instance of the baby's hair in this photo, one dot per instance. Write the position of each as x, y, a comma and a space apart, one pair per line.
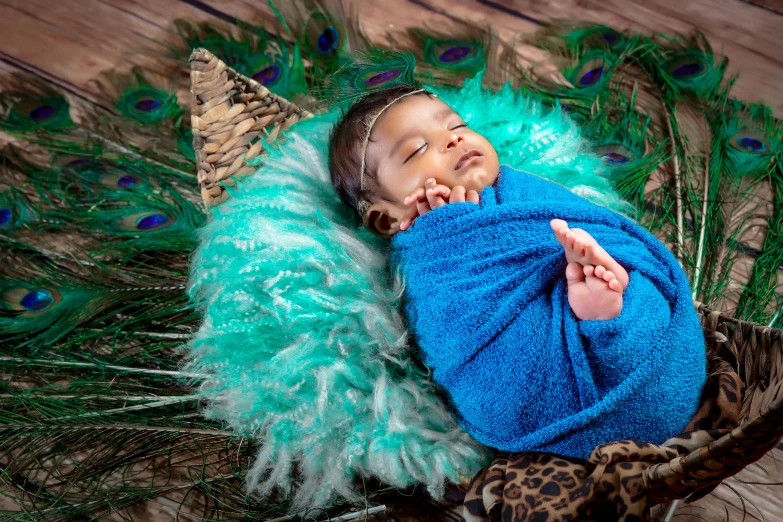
346, 151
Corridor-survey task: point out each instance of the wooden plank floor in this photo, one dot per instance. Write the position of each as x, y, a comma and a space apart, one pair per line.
68, 42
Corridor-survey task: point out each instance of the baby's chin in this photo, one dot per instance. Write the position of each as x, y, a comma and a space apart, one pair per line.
476, 179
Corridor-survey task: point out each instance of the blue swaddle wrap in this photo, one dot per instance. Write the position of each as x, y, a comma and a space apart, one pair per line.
486, 299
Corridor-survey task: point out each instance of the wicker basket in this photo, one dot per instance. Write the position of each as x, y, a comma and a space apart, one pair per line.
758, 351
229, 113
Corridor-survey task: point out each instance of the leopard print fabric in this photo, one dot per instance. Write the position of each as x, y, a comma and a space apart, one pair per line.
537, 487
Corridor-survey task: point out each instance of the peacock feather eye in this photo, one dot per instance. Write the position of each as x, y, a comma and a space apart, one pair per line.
49, 113
453, 54
14, 212
152, 222
147, 104
376, 78
686, 67
593, 69
328, 40
591, 76
36, 111
268, 75
6, 216
32, 301
753, 141
76, 164
43, 113
121, 180
324, 35
600, 37
37, 300
614, 154
614, 158
146, 222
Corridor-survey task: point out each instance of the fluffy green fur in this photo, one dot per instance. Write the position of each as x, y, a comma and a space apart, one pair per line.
302, 338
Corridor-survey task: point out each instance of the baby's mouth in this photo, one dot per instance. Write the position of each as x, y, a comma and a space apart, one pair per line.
466, 158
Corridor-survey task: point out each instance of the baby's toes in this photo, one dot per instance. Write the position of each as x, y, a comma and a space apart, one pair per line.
559, 226
574, 272
589, 270
608, 276
570, 240
599, 271
615, 285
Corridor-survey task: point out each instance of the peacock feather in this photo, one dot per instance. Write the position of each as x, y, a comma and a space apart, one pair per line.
378, 69
135, 97
561, 35
328, 35
145, 117
448, 55
267, 58
100, 212
31, 106
15, 211
621, 137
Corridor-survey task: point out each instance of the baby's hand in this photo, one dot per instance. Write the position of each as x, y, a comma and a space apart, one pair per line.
432, 196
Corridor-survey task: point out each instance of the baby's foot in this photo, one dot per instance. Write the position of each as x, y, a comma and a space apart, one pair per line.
580, 247
592, 297
595, 280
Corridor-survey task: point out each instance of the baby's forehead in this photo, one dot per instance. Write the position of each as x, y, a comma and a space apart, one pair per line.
428, 104
411, 112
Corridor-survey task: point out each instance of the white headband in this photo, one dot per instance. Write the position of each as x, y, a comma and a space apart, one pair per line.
364, 204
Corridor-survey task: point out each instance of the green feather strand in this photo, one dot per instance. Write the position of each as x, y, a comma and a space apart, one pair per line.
29, 105
261, 56
133, 222
684, 66
32, 114
378, 69
39, 312
15, 211
147, 104
620, 138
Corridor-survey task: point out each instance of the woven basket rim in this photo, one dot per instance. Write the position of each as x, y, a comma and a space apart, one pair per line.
229, 114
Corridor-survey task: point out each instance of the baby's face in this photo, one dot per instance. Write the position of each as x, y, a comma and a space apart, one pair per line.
421, 137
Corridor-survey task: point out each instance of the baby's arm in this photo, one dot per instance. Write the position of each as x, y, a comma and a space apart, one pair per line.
432, 196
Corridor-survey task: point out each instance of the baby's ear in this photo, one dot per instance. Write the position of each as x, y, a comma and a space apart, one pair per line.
379, 221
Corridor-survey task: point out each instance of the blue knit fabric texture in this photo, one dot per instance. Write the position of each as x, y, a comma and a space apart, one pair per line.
486, 298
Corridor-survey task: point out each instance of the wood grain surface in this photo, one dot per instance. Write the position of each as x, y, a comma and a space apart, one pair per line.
69, 42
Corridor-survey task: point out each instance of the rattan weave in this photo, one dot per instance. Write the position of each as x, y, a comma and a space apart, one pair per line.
229, 113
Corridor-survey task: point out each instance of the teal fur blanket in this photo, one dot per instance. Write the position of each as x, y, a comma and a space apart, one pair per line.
302, 340
487, 301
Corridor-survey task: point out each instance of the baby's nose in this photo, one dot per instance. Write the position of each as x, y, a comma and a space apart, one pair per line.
454, 140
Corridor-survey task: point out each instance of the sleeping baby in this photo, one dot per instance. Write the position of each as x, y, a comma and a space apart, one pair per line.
553, 324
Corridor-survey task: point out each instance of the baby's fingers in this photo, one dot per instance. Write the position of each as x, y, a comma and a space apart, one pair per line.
457, 194
423, 207
473, 197
438, 196
415, 196
409, 218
